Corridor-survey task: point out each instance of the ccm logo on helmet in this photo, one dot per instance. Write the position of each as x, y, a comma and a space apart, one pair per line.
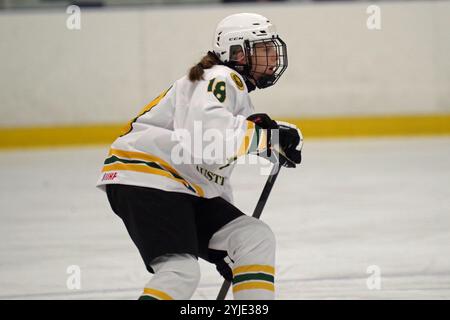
236, 38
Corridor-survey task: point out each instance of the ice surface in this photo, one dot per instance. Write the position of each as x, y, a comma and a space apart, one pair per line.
352, 204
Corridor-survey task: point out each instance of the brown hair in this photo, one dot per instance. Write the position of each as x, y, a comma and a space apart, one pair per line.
207, 62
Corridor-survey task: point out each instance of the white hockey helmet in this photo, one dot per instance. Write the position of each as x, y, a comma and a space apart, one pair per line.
244, 32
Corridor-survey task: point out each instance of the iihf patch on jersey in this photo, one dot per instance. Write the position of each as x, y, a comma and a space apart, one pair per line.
237, 80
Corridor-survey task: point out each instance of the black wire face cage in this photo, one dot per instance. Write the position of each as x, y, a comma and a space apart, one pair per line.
266, 60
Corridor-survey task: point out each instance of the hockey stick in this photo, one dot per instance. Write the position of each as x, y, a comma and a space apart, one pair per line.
256, 214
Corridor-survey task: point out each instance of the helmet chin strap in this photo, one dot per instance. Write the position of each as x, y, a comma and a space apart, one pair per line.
265, 81
262, 82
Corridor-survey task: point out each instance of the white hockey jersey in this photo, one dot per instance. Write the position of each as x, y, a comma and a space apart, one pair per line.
155, 151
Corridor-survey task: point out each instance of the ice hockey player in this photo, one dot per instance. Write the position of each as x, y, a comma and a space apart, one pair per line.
178, 211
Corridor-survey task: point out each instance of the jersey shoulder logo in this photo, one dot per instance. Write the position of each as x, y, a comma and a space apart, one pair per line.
237, 80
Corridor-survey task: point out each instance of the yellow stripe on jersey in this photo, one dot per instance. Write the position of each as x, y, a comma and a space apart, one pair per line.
153, 103
247, 139
169, 171
262, 140
254, 286
141, 156
157, 294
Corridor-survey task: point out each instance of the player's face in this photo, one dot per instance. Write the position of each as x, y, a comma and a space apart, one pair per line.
268, 60
264, 60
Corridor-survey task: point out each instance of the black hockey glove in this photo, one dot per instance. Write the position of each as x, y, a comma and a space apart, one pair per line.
263, 120
283, 138
291, 142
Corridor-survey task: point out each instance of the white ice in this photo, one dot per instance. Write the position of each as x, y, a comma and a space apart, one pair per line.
352, 204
